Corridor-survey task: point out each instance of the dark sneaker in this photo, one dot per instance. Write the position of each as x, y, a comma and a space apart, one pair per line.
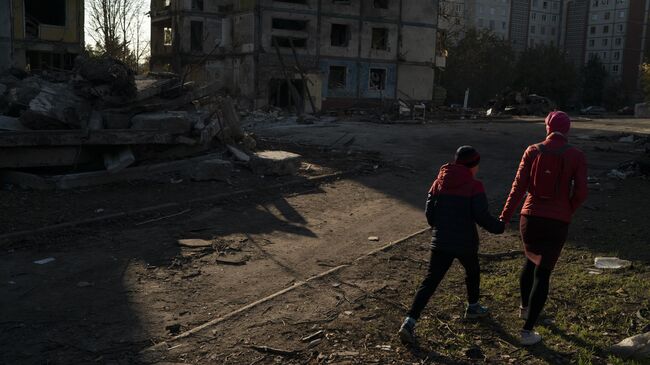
407, 332
476, 311
529, 338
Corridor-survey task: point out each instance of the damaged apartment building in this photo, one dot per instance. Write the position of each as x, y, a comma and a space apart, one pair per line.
38, 34
332, 53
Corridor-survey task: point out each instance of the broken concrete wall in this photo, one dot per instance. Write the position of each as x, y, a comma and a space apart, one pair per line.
373, 9
299, 6
243, 32
244, 76
377, 80
418, 44
282, 26
51, 37
208, 34
6, 48
330, 44
420, 12
349, 87
369, 31
351, 8
416, 82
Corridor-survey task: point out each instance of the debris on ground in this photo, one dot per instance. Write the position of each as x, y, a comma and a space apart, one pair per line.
45, 261
98, 124
520, 102
625, 170
634, 347
611, 263
627, 139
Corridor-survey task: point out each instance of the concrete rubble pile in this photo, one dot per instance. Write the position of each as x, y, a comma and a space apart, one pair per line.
99, 124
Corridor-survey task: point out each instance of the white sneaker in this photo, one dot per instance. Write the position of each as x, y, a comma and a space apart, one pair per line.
529, 338
523, 312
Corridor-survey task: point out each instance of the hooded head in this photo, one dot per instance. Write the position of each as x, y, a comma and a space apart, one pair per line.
467, 156
557, 122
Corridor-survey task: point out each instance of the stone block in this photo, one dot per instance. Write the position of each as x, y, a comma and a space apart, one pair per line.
275, 163
642, 110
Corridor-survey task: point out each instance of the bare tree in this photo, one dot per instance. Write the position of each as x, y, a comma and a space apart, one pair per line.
116, 28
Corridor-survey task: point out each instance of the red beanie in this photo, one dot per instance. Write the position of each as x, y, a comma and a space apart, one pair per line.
558, 122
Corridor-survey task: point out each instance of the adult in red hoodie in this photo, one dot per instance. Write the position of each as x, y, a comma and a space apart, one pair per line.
545, 218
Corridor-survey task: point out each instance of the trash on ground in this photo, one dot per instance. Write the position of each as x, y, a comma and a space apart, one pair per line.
635, 347
313, 336
611, 263
44, 261
373, 238
627, 139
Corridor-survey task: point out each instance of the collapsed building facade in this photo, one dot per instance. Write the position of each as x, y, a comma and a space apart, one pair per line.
332, 54
36, 34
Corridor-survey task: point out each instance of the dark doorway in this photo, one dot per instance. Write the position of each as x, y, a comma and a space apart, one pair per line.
281, 96
196, 36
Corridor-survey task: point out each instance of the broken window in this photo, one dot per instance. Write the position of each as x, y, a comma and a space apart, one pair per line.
50, 12
380, 4
285, 42
167, 36
288, 24
377, 79
340, 35
197, 5
337, 77
379, 38
196, 36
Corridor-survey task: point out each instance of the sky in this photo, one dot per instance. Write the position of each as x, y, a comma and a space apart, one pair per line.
146, 28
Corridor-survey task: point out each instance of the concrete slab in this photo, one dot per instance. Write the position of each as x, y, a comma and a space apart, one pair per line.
172, 121
275, 163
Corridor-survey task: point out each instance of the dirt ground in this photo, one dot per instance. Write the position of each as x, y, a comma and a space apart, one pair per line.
284, 258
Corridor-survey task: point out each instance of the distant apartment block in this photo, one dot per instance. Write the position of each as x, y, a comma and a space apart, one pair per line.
544, 25
574, 30
452, 19
615, 34
535, 22
338, 52
490, 14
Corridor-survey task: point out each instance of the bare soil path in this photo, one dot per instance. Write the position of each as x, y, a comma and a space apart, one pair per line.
120, 286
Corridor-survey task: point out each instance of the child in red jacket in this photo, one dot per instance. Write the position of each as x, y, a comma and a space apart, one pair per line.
455, 204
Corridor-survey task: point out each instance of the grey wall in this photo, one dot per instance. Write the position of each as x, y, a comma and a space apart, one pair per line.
5, 34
